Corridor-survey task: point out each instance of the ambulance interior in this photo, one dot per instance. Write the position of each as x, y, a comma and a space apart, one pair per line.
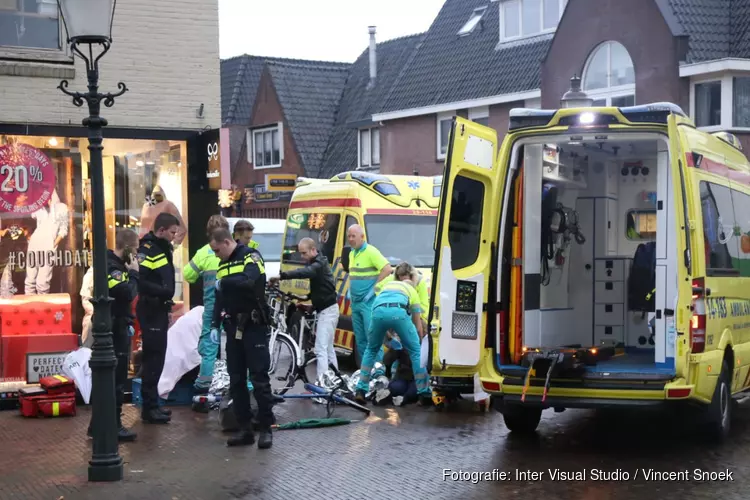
599, 210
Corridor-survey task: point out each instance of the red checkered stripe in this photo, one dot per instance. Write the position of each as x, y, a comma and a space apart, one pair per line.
342, 338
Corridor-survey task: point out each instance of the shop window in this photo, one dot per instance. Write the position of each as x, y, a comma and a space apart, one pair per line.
465, 221
707, 104
741, 203
444, 123
721, 246
640, 225
529, 17
29, 25
741, 102
369, 147
265, 149
323, 228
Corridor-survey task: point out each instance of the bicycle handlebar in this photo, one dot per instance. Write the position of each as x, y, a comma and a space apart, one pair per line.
285, 294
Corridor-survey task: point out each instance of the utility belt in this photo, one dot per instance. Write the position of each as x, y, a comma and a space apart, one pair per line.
393, 304
242, 320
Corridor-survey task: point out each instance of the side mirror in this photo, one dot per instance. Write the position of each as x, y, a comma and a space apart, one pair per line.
345, 258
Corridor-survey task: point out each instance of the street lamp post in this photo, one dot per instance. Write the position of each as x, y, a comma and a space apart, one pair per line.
89, 24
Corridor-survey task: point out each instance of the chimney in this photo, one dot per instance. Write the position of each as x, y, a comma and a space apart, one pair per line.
373, 57
575, 97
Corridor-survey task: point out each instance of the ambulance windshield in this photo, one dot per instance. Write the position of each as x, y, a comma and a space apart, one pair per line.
403, 237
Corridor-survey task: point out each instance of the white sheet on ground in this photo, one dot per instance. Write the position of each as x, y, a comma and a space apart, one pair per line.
182, 349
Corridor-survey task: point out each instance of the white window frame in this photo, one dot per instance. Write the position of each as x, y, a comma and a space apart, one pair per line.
29, 54
608, 92
727, 100
441, 117
476, 16
251, 133
503, 3
371, 163
480, 112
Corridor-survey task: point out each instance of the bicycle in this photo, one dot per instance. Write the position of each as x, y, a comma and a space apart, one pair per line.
296, 344
337, 394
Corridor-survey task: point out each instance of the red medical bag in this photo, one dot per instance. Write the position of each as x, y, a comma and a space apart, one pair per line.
58, 384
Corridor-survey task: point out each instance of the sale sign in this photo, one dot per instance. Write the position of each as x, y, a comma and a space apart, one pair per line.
27, 179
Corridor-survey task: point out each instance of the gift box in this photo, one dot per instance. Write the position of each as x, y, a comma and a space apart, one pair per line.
58, 384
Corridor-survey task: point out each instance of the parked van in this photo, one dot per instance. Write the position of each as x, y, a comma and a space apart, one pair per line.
398, 214
598, 259
269, 234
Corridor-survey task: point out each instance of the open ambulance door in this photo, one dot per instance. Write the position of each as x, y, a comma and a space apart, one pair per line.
465, 246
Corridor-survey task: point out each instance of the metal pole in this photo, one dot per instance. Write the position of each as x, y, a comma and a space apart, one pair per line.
106, 463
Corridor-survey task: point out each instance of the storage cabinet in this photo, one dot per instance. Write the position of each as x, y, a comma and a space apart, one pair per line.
609, 300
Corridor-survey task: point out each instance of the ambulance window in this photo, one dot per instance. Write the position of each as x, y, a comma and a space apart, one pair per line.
350, 220
322, 228
640, 225
465, 221
741, 203
721, 247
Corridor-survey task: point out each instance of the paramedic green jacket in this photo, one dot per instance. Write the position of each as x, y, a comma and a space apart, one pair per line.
204, 264
365, 265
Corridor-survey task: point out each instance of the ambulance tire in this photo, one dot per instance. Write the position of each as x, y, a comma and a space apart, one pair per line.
720, 409
521, 419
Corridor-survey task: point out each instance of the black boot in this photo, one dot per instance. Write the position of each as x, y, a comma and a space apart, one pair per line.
125, 435
265, 439
165, 411
360, 398
244, 438
154, 416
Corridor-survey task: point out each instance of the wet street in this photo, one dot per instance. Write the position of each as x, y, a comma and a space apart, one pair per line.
413, 452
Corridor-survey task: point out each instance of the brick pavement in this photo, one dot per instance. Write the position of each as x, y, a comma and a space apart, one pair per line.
395, 452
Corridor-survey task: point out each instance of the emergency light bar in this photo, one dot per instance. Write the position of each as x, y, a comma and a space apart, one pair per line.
524, 118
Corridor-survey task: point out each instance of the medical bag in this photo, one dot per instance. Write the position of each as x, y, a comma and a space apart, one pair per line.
58, 384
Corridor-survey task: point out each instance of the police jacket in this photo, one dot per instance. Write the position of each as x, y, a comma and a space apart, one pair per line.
156, 284
322, 286
242, 284
123, 287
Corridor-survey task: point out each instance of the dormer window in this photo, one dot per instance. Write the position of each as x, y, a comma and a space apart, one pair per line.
473, 21
524, 18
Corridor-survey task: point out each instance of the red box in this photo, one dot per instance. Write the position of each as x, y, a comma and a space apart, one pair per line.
46, 405
58, 384
16, 349
36, 314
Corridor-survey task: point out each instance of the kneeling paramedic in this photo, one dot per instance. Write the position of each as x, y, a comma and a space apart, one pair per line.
241, 284
397, 308
122, 281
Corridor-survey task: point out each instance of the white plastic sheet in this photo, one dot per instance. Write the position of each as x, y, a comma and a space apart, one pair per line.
424, 353
182, 349
76, 367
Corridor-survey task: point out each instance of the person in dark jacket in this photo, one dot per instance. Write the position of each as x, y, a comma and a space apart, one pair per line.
122, 282
324, 300
241, 285
155, 292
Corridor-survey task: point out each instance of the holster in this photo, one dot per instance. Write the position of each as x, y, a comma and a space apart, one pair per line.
242, 320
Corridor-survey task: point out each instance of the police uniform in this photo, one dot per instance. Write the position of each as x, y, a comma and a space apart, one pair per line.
392, 310
241, 296
155, 292
204, 265
123, 288
366, 264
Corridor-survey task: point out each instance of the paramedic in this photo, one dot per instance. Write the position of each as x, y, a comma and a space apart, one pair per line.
122, 281
422, 293
241, 283
204, 265
324, 300
155, 292
367, 267
397, 308
243, 234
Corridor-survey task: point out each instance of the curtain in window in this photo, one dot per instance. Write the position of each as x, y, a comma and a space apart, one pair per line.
741, 102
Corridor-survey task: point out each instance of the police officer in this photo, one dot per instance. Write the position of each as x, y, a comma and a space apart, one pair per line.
243, 234
204, 265
155, 292
397, 308
367, 267
122, 278
241, 284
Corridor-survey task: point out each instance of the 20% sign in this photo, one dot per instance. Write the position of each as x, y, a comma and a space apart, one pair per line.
27, 179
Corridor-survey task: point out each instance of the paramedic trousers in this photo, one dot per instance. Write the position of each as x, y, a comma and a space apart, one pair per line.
361, 319
154, 325
206, 348
328, 319
386, 318
249, 352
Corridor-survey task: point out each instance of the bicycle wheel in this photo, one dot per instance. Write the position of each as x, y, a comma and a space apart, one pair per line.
283, 370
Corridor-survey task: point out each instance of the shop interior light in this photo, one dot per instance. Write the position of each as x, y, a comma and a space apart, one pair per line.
139, 163
53, 142
587, 118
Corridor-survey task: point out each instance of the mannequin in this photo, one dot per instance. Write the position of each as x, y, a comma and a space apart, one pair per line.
51, 228
158, 205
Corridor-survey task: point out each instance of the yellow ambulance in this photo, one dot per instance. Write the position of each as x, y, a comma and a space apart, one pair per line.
599, 257
398, 214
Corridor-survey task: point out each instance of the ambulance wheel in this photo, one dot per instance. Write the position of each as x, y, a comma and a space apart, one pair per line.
720, 409
521, 419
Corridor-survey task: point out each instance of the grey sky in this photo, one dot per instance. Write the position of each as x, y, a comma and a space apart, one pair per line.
332, 30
